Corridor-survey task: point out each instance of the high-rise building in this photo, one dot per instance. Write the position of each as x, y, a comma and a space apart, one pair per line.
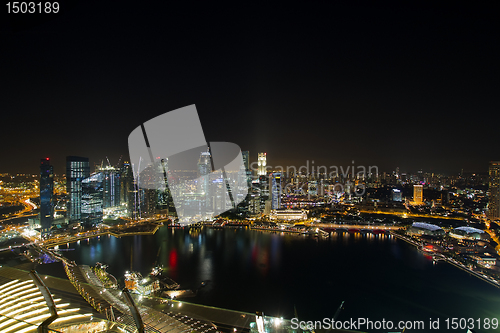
445, 197
262, 163
149, 202
418, 194
219, 201
128, 190
397, 195
246, 164
46, 195
133, 204
204, 170
312, 187
92, 200
246, 159
147, 191
111, 186
275, 190
125, 182
263, 191
494, 189
165, 201
254, 206
77, 169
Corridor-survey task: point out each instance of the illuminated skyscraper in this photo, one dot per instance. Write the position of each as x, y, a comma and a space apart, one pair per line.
111, 186
128, 190
263, 191
204, 170
246, 164
147, 191
46, 195
418, 194
125, 181
275, 190
246, 159
397, 195
312, 187
77, 169
92, 200
494, 189
165, 201
262, 163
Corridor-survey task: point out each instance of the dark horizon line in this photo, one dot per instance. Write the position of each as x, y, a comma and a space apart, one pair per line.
380, 172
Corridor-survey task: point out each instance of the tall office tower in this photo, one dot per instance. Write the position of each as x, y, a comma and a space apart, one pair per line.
494, 189
418, 194
246, 164
246, 159
165, 203
397, 195
147, 192
77, 169
219, 199
92, 200
125, 181
128, 190
262, 163
312, 187
110, 185
263, 191
46, 195
275, 190
149, 201
133, 203
204, 170
254, 203
321, 188
445, 197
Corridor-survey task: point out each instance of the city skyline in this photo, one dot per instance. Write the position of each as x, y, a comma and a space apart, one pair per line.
333, 83
186, 167
307, 167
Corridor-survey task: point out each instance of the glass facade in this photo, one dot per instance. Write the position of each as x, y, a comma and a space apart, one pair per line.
92, 200
46, 195
77, 169
275, 189
262, 163
111, 186
494, 188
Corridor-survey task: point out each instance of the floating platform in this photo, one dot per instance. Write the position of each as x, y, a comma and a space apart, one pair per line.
174, 294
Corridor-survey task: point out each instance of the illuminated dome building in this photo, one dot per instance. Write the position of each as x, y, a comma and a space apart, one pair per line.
422, 228
469, 233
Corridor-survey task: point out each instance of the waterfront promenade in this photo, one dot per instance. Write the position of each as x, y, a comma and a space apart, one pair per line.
451, 261
127, 230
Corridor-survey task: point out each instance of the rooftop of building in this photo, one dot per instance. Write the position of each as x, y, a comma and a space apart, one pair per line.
427, 226
469, 230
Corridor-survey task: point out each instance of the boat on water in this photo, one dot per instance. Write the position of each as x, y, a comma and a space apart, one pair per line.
165, 282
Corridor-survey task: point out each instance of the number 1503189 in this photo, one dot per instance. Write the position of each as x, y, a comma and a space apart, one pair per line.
471, 323
32, 7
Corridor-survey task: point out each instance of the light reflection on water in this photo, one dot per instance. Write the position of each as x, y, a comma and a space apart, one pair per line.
377, 276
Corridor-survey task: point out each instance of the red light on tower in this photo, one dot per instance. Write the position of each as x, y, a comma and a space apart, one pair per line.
47, 158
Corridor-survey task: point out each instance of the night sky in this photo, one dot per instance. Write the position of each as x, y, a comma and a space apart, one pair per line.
380, 84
